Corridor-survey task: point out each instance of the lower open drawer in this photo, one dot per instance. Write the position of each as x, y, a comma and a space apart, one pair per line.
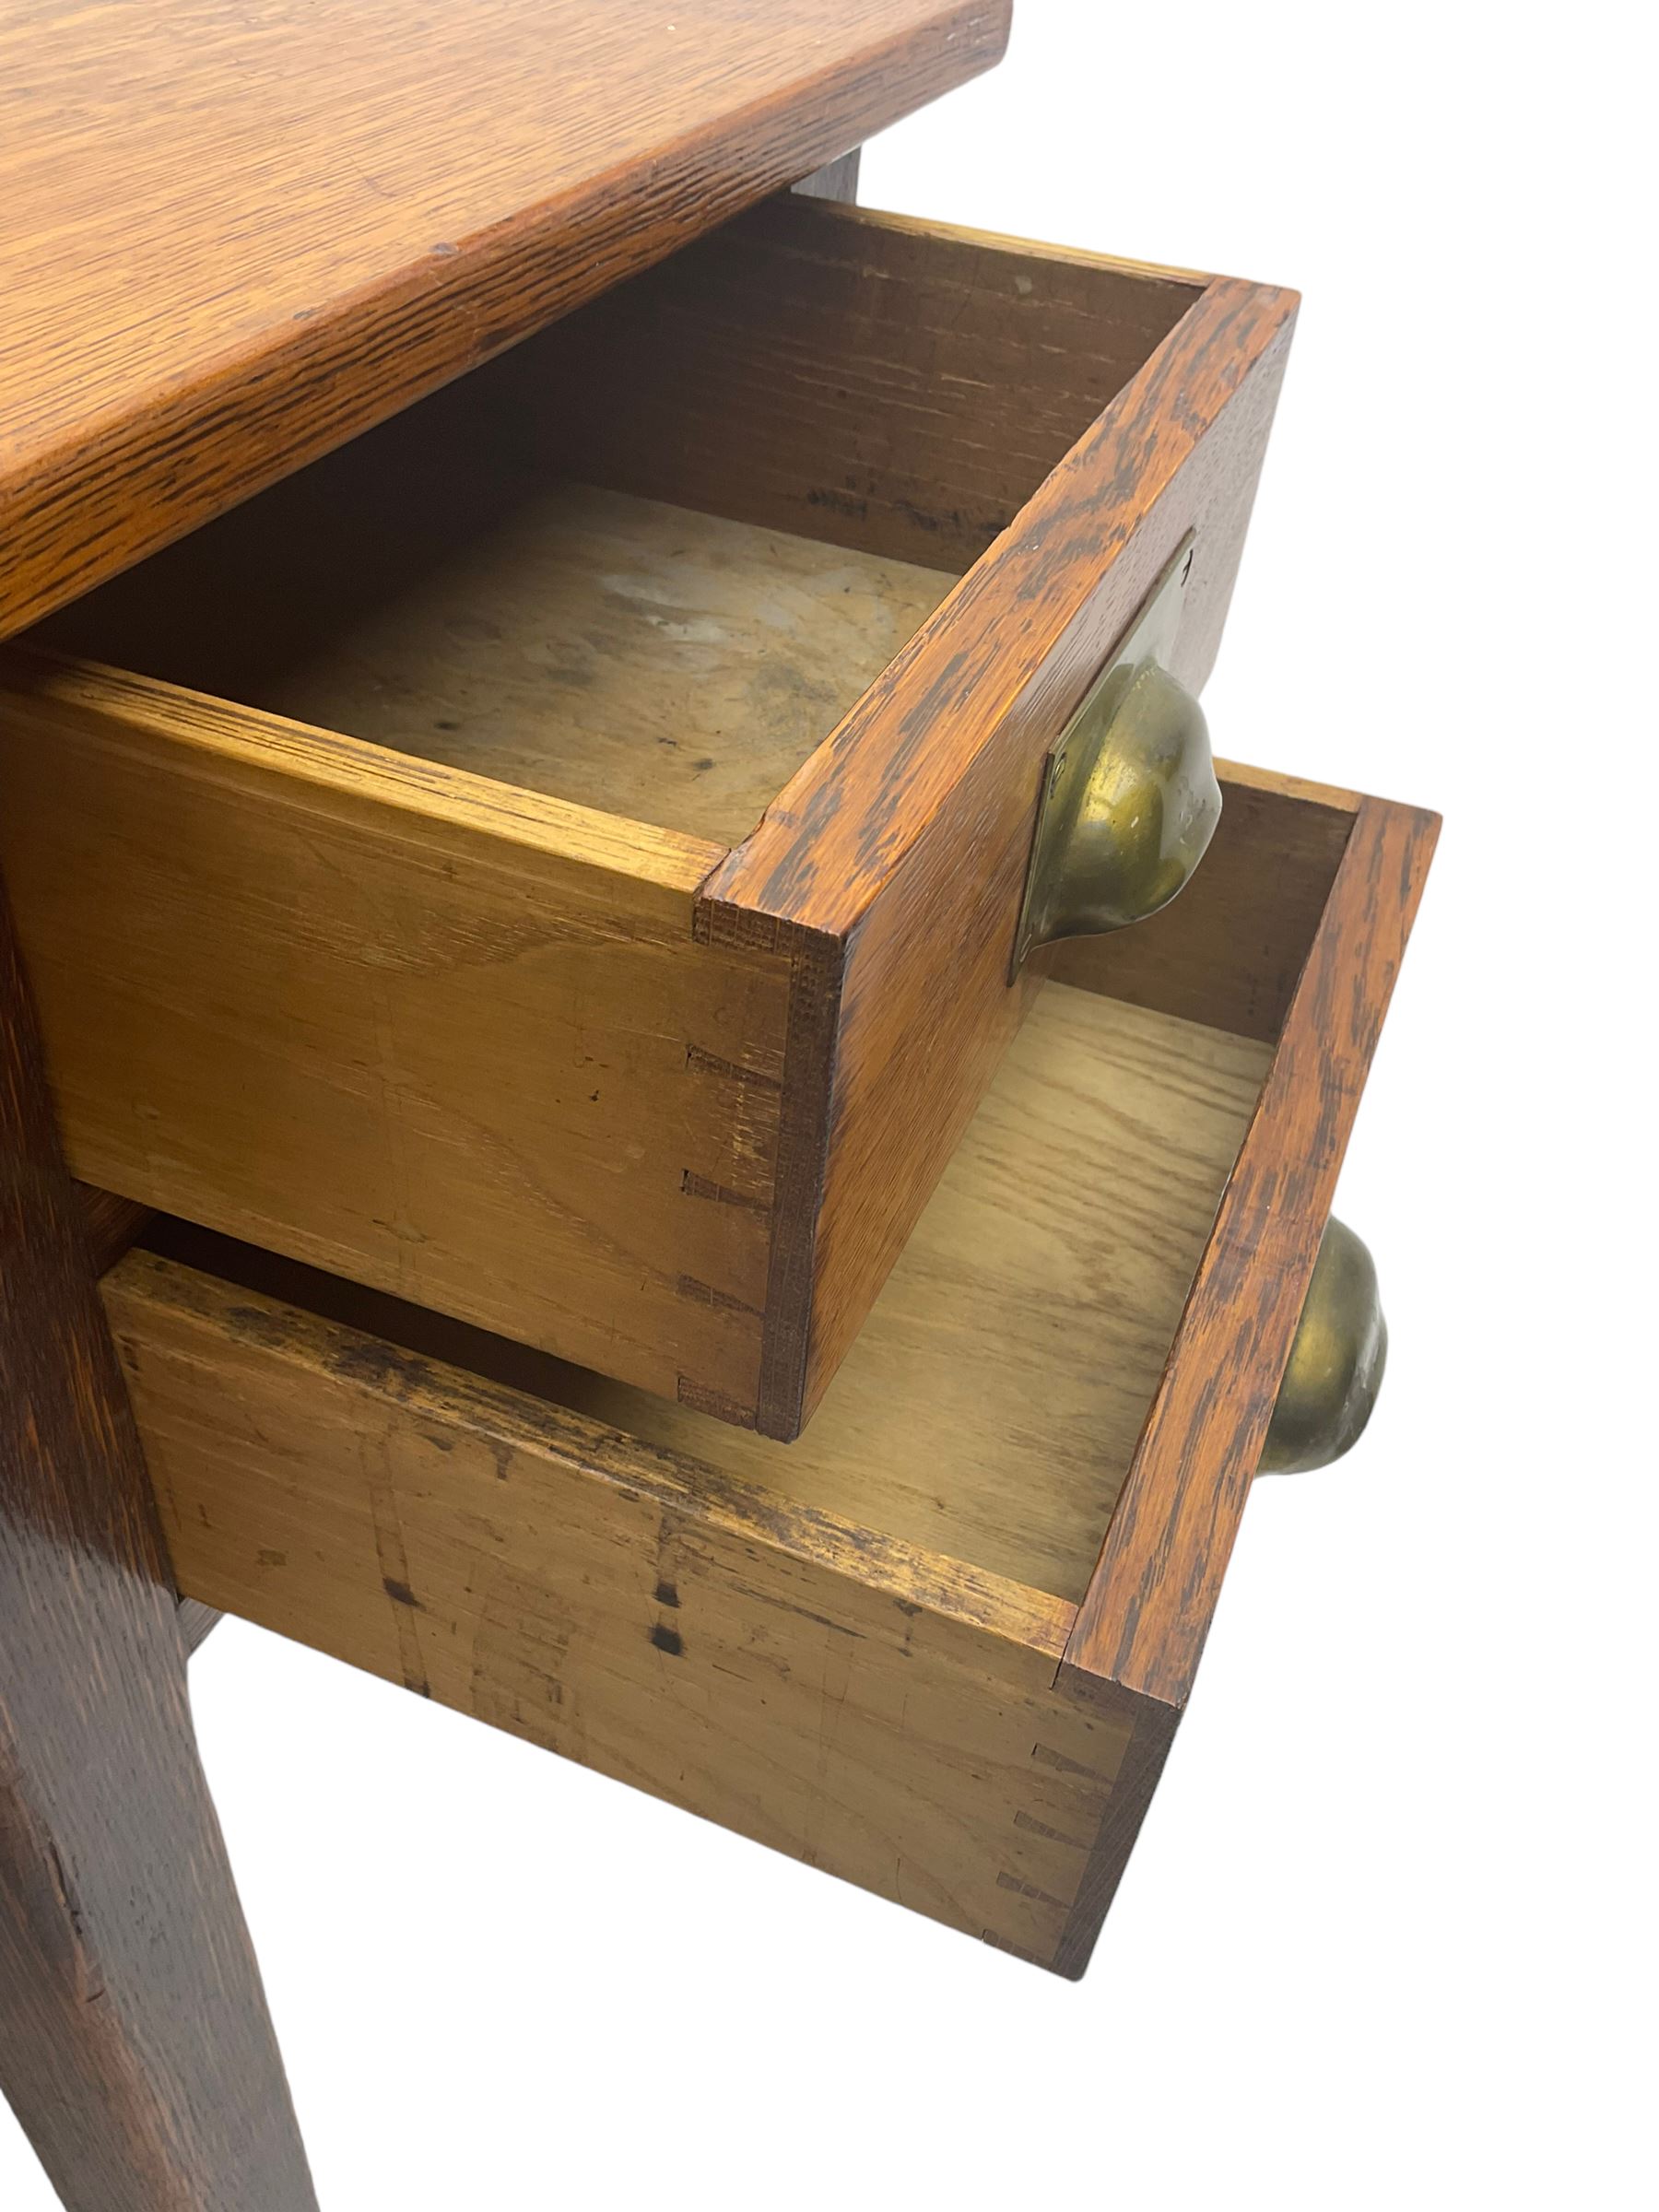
938, 1645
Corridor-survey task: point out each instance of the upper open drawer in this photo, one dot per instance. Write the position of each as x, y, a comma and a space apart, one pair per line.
623, 972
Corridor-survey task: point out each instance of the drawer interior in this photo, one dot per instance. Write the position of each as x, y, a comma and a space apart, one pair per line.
990, 1408
646, 562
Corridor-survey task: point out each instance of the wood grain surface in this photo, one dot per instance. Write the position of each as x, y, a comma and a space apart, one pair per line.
991, 1407
134, 2045
1094, 536
884, 1714
1229, 952
196, 1623
232, 243
111, 1224
334, 1467
891, 869
443, 587
875, 397
453, 1038
647, 661
1147, 1612
894, 386
1149, 1726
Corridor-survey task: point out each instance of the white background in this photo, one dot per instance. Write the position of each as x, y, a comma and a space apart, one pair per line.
1386, 1939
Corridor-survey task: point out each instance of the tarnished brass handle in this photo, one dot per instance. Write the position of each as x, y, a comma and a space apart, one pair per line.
1336, 1360
1130, 799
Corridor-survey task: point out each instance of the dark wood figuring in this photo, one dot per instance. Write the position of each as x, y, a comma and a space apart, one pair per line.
111, 1224
134, 2045
1150, 1728
1143, 1619
856, 379
230, 245
896, 386
891, 869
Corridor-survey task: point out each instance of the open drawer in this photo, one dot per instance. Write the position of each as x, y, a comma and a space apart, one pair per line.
558, 860
939, 1644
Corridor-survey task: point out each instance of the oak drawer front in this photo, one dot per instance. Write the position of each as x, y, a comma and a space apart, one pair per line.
940, 1643
558, 860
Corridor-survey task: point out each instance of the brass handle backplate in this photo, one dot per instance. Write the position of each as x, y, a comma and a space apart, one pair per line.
1129, 798
1334, 1371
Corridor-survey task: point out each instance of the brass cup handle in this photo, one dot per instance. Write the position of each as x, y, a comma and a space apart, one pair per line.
1129, 799
1132, 823
1334, 1371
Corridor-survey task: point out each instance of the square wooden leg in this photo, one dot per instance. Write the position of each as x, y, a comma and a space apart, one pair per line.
136, 2047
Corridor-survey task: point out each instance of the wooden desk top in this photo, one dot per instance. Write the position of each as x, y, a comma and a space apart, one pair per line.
234, 233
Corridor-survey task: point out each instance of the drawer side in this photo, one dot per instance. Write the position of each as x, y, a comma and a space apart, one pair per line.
881, 1713
449, 1039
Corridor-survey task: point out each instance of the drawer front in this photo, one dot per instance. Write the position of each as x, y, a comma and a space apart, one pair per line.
897, 857
891, 869
662, 1104
1146, 1611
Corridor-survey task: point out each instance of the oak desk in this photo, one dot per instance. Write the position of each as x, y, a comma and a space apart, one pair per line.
592, 803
